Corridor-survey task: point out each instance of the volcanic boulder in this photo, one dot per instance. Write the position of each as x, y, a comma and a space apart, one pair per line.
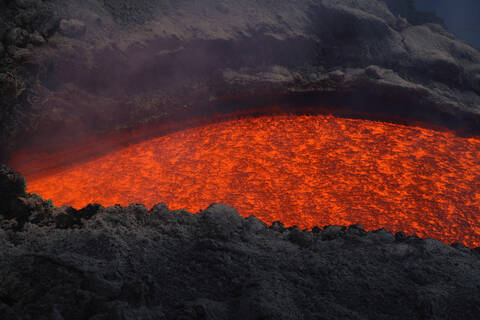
11, 183
12, 188
16, 206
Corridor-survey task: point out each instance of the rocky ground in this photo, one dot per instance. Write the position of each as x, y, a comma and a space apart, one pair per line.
71, 69
131, 263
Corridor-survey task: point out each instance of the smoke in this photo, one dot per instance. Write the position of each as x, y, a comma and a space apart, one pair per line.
119, 64
461, 17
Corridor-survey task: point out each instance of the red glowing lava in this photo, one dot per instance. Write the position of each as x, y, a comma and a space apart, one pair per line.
301, 170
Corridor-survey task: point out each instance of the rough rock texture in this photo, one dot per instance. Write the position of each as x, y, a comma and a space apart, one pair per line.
105, 65
72, 68
129, 263
17, 206
24, 26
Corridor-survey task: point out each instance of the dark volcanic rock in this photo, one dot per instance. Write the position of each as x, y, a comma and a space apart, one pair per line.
131, 263
117, 64
16, 37
127, 263
128, 62
23, 25
11, 183
12, 192
17, 206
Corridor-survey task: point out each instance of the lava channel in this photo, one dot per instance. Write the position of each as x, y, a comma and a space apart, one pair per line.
307, 171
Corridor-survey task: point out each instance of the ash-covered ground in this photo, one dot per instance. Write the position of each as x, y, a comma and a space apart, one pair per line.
70, 69
131, 263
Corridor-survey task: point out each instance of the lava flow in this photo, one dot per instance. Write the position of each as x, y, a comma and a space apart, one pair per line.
302, 170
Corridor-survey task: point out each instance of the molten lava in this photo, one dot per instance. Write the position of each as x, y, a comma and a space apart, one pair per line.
301, 170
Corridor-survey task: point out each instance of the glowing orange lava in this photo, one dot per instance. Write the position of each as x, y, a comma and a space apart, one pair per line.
301, 170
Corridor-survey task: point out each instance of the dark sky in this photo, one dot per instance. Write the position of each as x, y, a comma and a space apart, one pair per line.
462, 17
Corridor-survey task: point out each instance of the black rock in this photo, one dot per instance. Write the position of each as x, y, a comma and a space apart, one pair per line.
357, 230
300, 238
400, 236
37, 39
8, 87
17, 37
333, 232
24, 4
278, 226
459, 246
127, 263
12, 183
